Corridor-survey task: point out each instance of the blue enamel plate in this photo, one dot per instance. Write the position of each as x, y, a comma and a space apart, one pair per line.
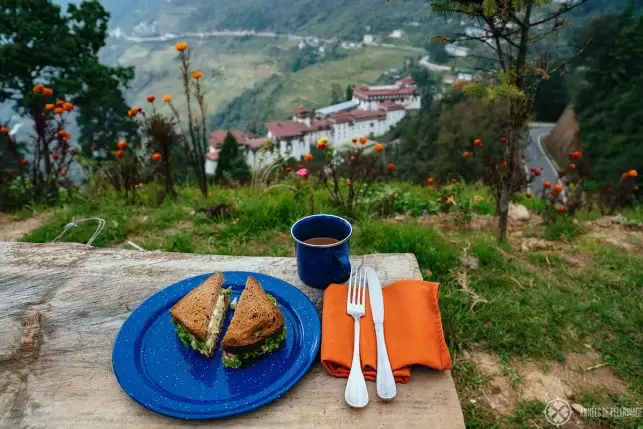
156, 370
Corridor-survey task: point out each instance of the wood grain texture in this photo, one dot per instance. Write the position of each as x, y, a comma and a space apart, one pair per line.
61, 308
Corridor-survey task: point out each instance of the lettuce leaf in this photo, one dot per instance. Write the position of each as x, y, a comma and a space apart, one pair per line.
270, 345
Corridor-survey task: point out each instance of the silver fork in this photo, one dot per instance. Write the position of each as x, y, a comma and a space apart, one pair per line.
356, 394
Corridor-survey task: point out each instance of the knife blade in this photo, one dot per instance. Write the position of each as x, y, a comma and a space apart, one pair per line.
386, 388
375, 296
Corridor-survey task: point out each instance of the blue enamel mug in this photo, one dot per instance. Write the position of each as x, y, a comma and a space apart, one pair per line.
322, 248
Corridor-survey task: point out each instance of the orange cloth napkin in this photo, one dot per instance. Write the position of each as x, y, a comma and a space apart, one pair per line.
412, 329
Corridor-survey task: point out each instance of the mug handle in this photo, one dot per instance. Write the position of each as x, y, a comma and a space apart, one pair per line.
344, 267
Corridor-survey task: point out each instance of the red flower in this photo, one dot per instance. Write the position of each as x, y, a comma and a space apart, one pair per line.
354, 140
576, 154
504, 164
478, 143
156, 156
122, 145
504, 140
454, 180
363, 140
391, 167
24, 162
63, 172
352, 159
55, 156
536, 172
308, 157
4, 130
558, 188
571, 166
288, 170
561, 210
350, 184
151, 98
119, 154
68, 107
547, 184
466, 154
574, 202
430, 181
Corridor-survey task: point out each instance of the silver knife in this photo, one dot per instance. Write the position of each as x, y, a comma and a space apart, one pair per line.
385, 382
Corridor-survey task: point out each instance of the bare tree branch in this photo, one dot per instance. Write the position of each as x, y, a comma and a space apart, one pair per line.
563, 10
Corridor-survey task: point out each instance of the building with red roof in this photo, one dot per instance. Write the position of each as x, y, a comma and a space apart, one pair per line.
373, 111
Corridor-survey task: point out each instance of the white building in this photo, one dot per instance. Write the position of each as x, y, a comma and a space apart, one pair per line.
373, 111
456, 51
397, 34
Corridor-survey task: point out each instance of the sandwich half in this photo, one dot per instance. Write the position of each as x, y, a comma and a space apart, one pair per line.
256, 329
198, 317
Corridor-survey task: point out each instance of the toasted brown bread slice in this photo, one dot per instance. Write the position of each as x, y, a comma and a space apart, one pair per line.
255, 319
193, 311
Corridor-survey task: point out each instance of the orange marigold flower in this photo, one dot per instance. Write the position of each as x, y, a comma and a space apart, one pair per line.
197, 75
122, 145
49, 106
430, 181
120, 153
322, 144
478, 143
181, 46
391, 167
632, 173
58, 110
571, 166
354, 140
308, 157
363, 140
558, 188
466, 154
68, 107
167, 98
151, 98
353, 159
156, 156
24, 162
55, 156
4, 130
624, 176
39, 89
59, 103
47, 91
547, 184
576, 154
379, 147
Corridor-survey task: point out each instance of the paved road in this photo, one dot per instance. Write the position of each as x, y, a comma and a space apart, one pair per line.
535, 157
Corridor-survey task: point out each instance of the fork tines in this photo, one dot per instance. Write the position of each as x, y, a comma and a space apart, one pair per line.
356, 289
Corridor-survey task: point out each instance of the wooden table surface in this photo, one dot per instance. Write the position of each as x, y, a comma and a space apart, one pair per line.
61, 307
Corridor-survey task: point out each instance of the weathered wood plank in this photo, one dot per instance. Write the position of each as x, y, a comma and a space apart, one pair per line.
61, 308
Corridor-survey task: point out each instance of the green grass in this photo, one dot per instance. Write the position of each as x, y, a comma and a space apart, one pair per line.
229, 66
534, 305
